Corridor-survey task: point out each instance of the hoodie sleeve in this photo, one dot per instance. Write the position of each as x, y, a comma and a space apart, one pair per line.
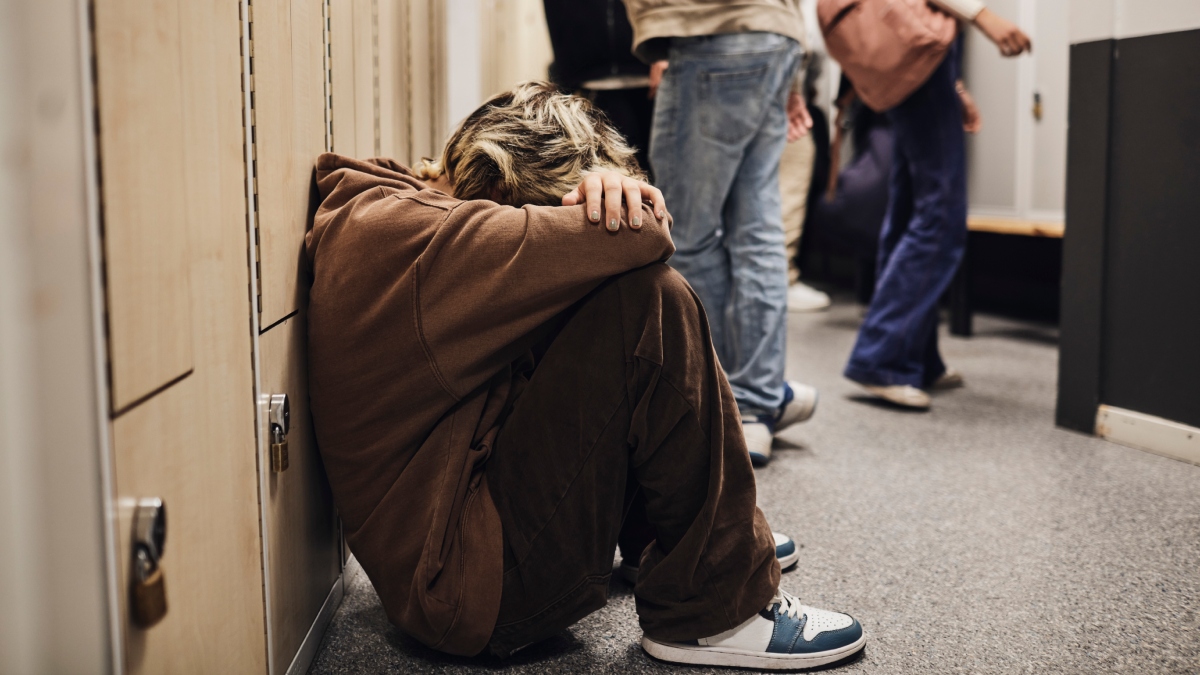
966, 10
493, 274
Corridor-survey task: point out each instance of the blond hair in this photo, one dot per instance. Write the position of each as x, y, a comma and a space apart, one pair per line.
530, 145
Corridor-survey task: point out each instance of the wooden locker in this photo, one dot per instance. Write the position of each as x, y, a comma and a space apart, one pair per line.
353, 49
191, 444
427, 68
290, 114
293, 123
141, 108
301, 528
394, 99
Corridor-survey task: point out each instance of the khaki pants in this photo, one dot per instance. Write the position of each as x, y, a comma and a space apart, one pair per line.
628, 404
795, 176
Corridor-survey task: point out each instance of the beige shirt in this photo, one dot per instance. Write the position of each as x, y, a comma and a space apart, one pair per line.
966, 10
654, 21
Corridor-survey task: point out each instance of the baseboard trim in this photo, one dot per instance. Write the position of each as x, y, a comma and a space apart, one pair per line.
1149, 433
308, 648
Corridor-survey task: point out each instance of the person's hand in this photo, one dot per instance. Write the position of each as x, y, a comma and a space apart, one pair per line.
1003, 32
972, 120
610, 187
656, 75
799, 121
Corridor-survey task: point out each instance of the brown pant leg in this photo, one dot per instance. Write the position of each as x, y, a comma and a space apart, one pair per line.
629, 387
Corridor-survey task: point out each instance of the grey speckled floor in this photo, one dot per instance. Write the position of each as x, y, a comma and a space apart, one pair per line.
975, 538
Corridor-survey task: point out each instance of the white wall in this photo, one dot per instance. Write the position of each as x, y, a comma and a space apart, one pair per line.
1101, 19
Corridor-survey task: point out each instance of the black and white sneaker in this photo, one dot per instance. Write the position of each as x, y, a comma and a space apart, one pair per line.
784, 636
786, 553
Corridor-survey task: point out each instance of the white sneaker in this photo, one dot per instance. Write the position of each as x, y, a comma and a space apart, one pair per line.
900, 394
804, 298
784, 636
785, 552
951, 379
799, 404
759, 436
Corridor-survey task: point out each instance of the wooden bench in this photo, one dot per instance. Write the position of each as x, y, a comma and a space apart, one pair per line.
961, 310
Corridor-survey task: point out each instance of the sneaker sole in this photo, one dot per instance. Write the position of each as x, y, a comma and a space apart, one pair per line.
742, 658
881, 394
789, 559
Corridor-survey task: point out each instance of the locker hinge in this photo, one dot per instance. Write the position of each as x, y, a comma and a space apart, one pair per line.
328, 57
252, 154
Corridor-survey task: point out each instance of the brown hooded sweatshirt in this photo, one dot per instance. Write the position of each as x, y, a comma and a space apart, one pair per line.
421, 316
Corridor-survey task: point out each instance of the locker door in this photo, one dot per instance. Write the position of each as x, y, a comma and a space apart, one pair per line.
290, 126
141, 104
1049, 175
353, 47
1016, 165
394, 99
169, 107
426, 77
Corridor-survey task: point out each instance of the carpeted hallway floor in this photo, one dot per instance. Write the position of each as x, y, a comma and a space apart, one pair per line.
975, 538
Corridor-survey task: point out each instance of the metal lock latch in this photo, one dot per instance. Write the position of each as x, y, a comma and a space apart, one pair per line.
149, 595
279, 419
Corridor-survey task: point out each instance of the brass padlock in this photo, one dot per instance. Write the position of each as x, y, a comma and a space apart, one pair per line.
279, 450
148, 597
279, 416
149, 602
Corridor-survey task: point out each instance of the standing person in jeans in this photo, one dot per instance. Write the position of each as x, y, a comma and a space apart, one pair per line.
721, 120
925, 232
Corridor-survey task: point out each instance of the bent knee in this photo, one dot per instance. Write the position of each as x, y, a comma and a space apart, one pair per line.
660, 281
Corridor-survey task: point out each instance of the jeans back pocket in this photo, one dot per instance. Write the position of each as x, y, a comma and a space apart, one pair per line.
732, 102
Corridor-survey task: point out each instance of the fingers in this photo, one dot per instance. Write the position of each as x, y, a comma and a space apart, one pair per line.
805, 119
612, 201
655, 197
604, 193
573, 197
795, 130
1015, 42
592, 188
633, 202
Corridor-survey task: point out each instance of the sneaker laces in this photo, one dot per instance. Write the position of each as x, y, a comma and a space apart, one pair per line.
788, 603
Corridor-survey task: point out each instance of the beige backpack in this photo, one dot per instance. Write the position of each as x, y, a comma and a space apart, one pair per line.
888, 48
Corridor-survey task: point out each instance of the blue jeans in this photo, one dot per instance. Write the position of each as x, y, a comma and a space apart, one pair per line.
923, 238
720, 125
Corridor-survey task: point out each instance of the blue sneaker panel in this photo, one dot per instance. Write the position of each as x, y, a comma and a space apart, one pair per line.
786, 548
831, 639
787, 632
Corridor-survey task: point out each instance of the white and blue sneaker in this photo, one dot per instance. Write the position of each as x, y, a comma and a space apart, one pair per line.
784, 636
799, 404
786, 553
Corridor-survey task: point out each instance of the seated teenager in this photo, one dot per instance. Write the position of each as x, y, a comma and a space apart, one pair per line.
495, 388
